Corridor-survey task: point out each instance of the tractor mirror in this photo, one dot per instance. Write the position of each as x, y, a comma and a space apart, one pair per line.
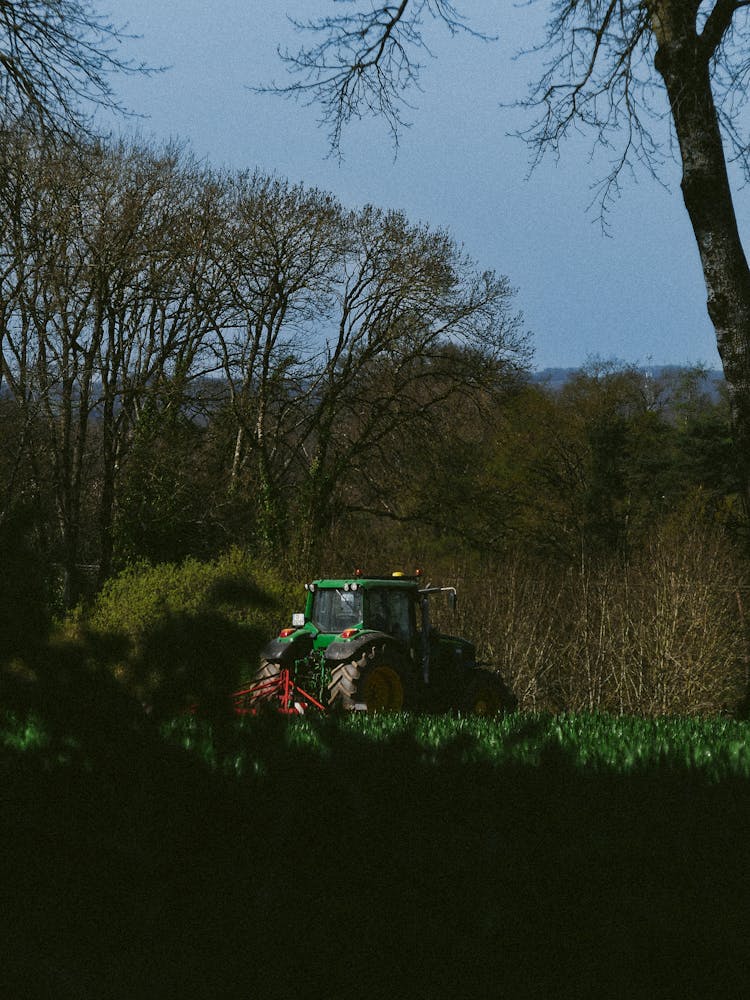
298, 620
452, 600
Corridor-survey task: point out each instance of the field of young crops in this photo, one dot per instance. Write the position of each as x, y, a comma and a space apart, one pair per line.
399, 855
715, 748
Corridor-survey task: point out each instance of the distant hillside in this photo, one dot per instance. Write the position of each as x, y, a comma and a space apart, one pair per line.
556, 378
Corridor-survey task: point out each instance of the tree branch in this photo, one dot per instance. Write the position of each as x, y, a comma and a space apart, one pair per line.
56, 57
365, 65
718, 23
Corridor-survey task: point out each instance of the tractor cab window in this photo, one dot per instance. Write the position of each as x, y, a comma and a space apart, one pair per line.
334, 610
389, 611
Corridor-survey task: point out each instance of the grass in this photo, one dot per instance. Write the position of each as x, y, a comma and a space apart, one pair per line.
715, 748
410, 856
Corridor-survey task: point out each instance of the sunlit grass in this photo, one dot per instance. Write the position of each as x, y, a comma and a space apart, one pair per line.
23, 733
716, 748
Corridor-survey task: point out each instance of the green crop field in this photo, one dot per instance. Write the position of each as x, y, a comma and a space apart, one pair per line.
374, 856
713, 748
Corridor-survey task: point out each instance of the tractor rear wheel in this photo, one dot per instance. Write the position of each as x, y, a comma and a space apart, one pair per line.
487, 694
376, 681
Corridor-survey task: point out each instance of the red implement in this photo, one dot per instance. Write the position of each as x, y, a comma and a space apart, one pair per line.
280, 693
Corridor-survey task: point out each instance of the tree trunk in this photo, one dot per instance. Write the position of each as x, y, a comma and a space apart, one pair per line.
684, 64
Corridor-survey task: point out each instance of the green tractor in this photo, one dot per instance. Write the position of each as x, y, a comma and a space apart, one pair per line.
367, 644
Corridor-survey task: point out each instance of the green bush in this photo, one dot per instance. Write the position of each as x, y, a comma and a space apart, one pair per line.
193, 631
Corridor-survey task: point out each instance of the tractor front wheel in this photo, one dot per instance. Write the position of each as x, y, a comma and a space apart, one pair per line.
265, 688
374, 682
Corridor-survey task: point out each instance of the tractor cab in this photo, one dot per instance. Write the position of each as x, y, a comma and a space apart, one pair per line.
345, 614
342, 610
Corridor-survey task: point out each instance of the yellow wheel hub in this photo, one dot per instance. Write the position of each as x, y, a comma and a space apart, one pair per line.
486, 702
383, 690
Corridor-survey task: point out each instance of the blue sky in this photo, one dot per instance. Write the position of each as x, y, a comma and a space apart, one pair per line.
636, 295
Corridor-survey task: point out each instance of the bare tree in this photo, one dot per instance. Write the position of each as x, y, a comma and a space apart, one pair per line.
416, 326
101, 260
610, 65
56, 59
146, 245
273, 262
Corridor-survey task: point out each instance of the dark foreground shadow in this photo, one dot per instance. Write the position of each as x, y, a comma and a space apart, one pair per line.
130, 869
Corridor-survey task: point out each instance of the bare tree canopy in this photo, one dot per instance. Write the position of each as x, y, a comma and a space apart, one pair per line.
363, 63
599, 65
56, 58
614, 67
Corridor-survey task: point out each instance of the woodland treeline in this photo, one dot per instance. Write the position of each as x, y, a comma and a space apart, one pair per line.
196, 360
193, 358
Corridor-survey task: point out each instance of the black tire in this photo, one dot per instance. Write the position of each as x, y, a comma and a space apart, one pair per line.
264, 689
376, 681
487, 695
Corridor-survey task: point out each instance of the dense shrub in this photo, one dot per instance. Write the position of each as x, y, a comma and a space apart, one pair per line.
660, 633
194, 630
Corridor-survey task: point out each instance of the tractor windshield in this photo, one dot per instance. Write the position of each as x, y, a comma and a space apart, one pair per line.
334, 610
